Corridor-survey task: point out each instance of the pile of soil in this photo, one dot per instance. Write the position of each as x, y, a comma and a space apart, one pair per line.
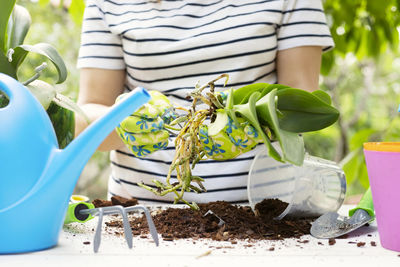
225, 222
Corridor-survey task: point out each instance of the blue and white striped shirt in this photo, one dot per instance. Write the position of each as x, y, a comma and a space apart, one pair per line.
171, 45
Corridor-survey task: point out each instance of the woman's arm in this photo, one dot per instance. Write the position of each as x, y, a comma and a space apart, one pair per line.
98, 90
299, 67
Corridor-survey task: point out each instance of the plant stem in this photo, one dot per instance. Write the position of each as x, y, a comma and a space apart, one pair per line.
38, 70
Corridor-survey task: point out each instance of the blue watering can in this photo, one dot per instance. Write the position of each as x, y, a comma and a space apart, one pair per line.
36, 177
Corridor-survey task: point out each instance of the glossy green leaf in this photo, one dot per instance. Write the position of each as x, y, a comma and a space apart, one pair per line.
6, 67
5, 13
43, 92
45, 50
67, 103
249, 112
18, 26
272, 87
242, 95
229, 107
301, 111
291, 144
323, 96
63, 121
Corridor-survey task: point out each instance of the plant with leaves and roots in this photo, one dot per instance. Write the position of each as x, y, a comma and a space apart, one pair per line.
279, 113
15, 22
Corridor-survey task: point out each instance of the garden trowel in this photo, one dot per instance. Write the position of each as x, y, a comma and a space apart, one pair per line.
331, 224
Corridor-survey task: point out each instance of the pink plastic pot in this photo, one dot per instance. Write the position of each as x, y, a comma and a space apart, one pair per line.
383, 165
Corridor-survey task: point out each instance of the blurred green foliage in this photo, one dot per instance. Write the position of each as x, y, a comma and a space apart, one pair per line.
361, 74
365, 28
53, 25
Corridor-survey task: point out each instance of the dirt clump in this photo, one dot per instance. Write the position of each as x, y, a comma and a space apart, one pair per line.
224, 222
115, 201
360, 244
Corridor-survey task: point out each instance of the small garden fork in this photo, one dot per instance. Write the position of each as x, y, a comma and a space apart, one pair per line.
82, 212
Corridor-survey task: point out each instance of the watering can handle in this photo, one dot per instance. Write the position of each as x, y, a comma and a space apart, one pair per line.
73, 214
20, 97
6, 83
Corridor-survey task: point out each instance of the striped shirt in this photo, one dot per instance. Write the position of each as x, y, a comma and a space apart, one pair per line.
171, 45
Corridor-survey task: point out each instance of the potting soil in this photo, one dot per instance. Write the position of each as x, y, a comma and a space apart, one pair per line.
226, 222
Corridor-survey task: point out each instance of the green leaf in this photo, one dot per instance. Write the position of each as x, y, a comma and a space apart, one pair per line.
272, 87
65, 102
45, 50
3, 100
43, 91
249, 112
220, 122
63, 121
229, 107
323, 96
242, 95
301, 111
76, 10
18, 57
360, 137
292, 144
5, 13
6, 67
18, 26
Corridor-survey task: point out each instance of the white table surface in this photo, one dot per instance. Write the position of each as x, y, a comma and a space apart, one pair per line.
113, 251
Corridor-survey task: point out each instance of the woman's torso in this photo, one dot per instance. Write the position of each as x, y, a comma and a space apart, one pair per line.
170, 46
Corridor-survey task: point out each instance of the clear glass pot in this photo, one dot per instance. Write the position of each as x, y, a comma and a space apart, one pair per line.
316, 187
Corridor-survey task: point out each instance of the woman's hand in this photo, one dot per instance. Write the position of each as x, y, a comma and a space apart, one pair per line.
143, 131
98, 89
230, 142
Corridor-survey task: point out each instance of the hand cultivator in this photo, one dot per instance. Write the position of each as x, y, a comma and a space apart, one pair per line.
82, 212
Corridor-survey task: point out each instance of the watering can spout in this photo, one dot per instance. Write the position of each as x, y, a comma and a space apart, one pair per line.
78, 152
64, 166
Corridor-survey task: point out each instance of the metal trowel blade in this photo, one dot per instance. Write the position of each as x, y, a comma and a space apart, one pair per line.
331, 224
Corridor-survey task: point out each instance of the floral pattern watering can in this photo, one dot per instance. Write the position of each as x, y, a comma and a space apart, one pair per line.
36, 177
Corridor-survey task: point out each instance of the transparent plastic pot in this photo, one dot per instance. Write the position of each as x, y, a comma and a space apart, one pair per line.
313, 189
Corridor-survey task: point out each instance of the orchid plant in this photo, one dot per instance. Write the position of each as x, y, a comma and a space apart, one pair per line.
278, 113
